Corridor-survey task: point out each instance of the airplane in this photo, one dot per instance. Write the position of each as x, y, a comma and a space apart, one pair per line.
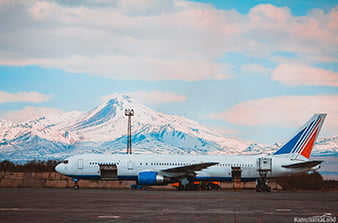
145, 169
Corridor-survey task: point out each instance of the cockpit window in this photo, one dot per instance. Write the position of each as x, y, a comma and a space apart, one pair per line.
65, 161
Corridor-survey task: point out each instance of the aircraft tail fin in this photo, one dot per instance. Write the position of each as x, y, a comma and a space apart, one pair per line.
301, 143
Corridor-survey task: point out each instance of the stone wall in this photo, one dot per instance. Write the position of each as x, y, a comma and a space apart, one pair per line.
53, 179
56, 180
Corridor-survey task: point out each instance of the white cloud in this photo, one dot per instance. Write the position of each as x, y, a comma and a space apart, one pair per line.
28, 113
152, 97
223, 131
287, 111
297, 75
145, 7
155, 97
139, 68
40, 9
116, 41
157, 40
34, 97
310, 37
256, 69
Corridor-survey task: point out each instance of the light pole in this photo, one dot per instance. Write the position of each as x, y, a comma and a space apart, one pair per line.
129, 113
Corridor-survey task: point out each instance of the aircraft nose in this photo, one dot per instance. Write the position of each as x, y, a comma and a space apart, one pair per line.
59, 168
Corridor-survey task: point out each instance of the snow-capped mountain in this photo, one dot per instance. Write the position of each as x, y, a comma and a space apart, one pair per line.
326, 146
104, 128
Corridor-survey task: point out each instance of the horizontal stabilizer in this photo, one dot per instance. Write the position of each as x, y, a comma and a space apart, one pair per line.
190, 168
307, 164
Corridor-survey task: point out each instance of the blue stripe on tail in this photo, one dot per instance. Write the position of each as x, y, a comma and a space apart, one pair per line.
303, 136
289, 146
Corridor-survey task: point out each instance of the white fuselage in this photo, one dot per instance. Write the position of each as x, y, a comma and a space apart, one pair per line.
128, 166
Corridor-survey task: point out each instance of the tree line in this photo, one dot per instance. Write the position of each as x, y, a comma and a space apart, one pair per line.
303, 181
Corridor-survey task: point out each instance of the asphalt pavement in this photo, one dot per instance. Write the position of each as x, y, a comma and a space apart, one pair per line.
124, 205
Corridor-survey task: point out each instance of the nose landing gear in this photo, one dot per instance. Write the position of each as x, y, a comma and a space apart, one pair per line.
76, 185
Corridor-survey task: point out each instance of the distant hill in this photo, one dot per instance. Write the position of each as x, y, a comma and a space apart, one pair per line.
104, 128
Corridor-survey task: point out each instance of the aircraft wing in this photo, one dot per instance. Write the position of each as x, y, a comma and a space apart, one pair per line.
307, 164
189, 168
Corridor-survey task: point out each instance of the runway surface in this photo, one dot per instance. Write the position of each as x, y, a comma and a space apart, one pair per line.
108, 205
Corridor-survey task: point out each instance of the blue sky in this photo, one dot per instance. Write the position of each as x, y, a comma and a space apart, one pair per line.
252, 69
298, 8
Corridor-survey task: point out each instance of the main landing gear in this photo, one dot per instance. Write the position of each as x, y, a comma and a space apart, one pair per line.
262, 184
137, 187
198, 185
76, 183
264, 166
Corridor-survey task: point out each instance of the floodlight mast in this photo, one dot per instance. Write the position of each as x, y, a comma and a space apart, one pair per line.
129, 113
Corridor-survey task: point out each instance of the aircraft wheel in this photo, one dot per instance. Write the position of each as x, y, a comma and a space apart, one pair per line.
258, 188
76, 187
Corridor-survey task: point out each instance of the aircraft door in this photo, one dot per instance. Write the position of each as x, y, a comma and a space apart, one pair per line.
130, 165
80, 163
108, 172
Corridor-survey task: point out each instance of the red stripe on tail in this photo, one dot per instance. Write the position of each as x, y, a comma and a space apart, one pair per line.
308, 148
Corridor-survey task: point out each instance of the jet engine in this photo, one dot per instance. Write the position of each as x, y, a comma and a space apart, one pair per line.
152, 178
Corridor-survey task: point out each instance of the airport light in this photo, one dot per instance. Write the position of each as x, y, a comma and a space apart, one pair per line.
129, 113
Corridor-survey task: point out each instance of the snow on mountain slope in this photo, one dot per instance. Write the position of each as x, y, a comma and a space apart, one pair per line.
326, 146
104, 128
107, 122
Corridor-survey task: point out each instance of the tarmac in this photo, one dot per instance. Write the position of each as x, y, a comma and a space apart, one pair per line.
124, 205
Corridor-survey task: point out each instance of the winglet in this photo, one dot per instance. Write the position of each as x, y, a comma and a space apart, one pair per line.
301, 143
